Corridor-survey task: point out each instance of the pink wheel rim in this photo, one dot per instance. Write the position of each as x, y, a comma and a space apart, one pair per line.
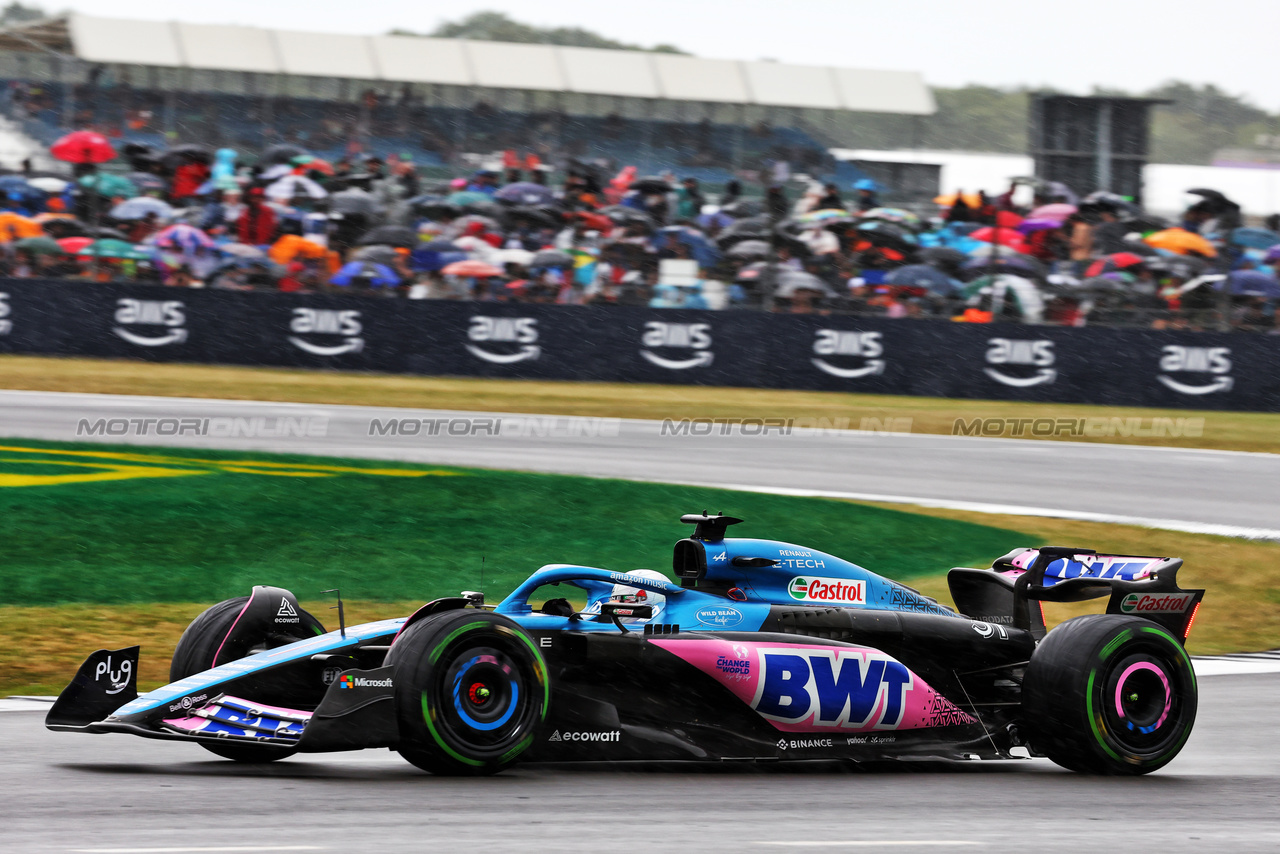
1164, 680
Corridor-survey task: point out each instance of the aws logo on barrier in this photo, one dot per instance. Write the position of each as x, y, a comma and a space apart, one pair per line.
856, 690
659, 335
1036, 355
1196, 361
867, 347
167, 315
521, 331
339, 331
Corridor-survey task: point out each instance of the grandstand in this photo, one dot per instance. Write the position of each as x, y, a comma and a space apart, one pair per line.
433, 99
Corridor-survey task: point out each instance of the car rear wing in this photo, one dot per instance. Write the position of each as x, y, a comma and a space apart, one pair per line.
1012, 590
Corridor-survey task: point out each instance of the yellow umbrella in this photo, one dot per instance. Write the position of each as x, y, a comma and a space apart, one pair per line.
1181, 241
973, 200
15, 226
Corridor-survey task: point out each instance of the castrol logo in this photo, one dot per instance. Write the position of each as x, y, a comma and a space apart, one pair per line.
1156, 603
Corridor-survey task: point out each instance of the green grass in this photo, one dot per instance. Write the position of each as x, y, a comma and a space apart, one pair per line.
206, 526
1239, 431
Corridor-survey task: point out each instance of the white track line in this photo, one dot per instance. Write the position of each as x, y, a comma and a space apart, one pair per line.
228, 849
874, 843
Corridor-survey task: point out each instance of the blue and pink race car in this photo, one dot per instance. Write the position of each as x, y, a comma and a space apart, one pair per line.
763, 650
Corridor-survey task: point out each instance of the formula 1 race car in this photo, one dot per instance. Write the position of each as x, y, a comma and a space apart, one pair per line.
764, 650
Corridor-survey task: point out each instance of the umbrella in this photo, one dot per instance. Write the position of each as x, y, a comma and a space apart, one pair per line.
896, 215
14, 226
189, 153
552, 258
49, 184
39, 246
752, 228
1215, 199
105, 184
474, 268
1058, 211
650, 184
242, 250
463, 198
791, 281
391, 235
1255, 238
276, 172
20, 190
366, 273
973, 200
1179, 266
465, 222
119, 249
1004, 236
292, 246
743, 208
83, 146
1113, 262
74, 245
944, 256
1030, 226
1181, 242
291, 186
824, 215
923, 276
1253, 283
549, 217
353, 201
439, 245
104, 233
1019, 264
887, 235
141, 206
523, 257
623, 215
183, 238
377, 254
281, 153
702, 250
525, 193
989, 250
147, 182
751, 272
750, 249
1023, 292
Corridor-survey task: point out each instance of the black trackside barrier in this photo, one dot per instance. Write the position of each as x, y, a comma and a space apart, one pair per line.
1130, 367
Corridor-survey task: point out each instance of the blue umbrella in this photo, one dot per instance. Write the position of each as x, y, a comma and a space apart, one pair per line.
700, 248
1255, 238
923, 276
16, 188
1253, 283
373, 275
526, 193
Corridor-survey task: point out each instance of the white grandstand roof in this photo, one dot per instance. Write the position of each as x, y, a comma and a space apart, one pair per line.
500, 65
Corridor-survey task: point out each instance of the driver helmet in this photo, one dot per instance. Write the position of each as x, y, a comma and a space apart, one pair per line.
639, 596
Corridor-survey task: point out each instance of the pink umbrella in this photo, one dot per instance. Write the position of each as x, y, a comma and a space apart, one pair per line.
1028, 226
1058, 211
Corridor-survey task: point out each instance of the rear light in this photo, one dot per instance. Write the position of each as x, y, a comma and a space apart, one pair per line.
1041, 604
1186, 633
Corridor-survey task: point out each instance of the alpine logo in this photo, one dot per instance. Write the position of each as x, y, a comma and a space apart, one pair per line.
522, 331
851, 689
837, 591
287, 613
678, 336
1215, 361
611, 735
1037, 354
1156, 603
867, 346
331, 324
6, 325
167, 314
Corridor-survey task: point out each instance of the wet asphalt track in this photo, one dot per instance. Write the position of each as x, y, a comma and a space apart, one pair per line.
65, 792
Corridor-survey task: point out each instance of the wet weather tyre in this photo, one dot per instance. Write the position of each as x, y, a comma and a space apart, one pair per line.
1109, 694
203, 639
471, 689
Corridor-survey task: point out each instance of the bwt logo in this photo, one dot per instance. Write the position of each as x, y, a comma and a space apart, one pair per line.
147, 312
513, 330
836, 342
1011, 351
836, 688
678, 336
328, 322
6, 325
1196, 360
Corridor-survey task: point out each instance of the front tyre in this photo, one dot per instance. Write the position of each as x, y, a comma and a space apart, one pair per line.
1109, 694
471, 689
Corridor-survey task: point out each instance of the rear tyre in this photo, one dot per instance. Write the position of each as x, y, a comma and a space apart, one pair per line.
1108, 694
203, 639
471, 689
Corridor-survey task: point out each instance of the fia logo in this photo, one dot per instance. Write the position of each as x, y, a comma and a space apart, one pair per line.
515, 330
867, 346
1215, 361
1036, 353
6, 325
329, 323
117, 678
832, 688
168, 314
678, 336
